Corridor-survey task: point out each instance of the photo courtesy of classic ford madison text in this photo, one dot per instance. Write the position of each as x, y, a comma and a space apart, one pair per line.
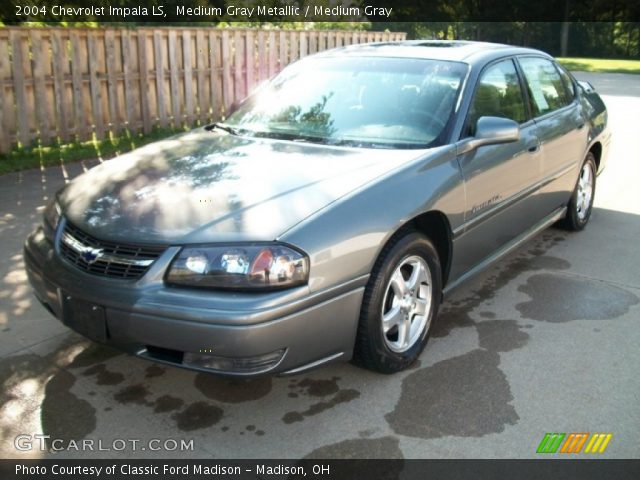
326, 218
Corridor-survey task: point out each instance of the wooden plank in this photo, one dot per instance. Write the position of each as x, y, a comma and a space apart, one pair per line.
128, 83
215, 79
18, 57
188, 73
313, 42
263, 67
331, 40
30, 106
250, 60
303, 43
158, 59
238, 46
272, 53
59, 91
112, 86
143, 66
322, 41
294, 43
85, 85
48, 62
173, 70
38, 56
227, 93
203, 106
96, 88
6, 107
282, 50
76, 83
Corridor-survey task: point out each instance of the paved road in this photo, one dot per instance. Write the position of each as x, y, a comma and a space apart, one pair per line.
546, 341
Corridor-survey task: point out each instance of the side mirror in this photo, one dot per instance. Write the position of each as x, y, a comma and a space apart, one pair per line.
491, 131
586, 86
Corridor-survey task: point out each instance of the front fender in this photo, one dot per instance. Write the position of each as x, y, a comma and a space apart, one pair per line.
344, 240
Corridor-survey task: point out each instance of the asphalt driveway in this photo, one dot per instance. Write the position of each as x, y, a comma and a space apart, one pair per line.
545, 341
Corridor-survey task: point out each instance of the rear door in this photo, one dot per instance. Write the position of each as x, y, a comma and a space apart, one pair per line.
560, 126
499, 179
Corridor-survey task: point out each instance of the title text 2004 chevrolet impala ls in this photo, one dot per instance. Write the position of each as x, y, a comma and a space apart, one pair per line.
327, 216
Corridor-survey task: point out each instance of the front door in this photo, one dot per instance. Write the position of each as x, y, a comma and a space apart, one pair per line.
499, 179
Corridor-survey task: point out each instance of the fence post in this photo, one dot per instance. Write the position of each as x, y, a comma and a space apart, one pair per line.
143, 67
188, 74
18, 57
96, 88
173, 69
5, 106
158, 59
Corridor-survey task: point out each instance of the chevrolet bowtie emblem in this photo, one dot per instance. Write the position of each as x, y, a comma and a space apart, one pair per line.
90, 255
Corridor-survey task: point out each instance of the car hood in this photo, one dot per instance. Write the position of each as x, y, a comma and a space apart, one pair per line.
210, 187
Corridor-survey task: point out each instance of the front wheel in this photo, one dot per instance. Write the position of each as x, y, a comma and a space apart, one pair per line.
400, 302
581, 203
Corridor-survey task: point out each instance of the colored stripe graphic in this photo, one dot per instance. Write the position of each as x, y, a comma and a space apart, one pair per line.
574, 442
550, 443
598, 443
581, 442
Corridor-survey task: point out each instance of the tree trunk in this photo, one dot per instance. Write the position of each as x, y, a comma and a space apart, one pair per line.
564, 31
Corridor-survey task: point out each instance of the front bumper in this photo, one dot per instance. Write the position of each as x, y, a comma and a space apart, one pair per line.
146, 318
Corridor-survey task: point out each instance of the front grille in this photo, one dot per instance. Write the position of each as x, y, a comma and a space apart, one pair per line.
108, 259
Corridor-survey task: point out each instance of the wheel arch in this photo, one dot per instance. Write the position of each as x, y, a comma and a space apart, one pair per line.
435, 225
596, 150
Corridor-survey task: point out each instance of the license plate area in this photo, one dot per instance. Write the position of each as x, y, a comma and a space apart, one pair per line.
84, 317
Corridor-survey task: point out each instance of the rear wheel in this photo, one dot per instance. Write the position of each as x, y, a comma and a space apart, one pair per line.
581, 203
400, 302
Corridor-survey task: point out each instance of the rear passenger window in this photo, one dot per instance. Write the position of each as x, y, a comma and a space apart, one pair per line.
568, 83
546, 87
498, 94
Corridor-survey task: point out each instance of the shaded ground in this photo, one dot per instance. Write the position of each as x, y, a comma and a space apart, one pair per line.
546, 341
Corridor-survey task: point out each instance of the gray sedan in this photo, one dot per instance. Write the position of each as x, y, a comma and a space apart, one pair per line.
325, 219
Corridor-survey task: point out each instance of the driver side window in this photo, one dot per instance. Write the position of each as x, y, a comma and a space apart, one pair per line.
498, 94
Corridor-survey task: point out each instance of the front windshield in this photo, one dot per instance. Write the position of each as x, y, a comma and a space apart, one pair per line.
362, 101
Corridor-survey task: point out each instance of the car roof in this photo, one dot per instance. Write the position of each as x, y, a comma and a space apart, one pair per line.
452, 50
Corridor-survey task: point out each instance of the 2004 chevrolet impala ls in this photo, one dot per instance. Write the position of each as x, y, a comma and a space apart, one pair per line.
326, 217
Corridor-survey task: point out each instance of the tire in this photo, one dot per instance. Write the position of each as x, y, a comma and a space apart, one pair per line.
581, 203
409, 302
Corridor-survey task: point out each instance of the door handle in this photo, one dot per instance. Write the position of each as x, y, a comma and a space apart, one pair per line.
533, 148
580, 126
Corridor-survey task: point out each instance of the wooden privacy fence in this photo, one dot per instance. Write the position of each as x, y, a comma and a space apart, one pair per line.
64, 84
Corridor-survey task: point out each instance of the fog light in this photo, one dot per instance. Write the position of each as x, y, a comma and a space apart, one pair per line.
241, 365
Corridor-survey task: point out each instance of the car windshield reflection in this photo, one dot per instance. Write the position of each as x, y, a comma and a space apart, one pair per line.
361, 101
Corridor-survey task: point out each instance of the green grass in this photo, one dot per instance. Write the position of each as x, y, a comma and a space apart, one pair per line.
601, 65
37, 156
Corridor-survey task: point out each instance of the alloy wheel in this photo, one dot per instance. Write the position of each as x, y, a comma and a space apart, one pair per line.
406, 305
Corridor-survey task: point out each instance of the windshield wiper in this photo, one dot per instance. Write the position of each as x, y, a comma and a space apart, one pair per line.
294, 137
223, 127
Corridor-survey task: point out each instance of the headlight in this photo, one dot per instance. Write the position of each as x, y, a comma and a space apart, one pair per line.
51, 218
242, 267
